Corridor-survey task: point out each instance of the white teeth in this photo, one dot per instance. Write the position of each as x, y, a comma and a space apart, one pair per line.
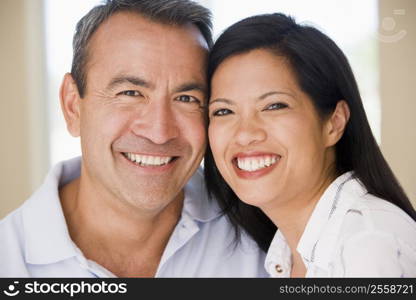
246, 165
150, 160
156, 160
147, 160
256, 163
268, 161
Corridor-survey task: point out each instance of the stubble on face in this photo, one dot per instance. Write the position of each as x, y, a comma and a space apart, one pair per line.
167, 57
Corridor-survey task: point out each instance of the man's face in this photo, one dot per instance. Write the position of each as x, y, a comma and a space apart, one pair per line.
141, 119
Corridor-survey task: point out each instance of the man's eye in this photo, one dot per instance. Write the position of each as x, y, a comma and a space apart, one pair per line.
130, 93
187, 99
276, 106
221, 112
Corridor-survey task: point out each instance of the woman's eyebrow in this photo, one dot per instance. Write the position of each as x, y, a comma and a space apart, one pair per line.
223, 100
265, 95
262, 97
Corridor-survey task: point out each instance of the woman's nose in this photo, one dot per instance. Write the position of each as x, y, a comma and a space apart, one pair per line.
249, 132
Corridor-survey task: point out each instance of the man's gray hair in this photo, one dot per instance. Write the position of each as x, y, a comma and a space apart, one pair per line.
171, 12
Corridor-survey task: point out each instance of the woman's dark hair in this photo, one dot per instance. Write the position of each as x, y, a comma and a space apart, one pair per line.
323, 73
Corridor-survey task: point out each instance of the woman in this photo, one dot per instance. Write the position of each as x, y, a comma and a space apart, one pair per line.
290, 138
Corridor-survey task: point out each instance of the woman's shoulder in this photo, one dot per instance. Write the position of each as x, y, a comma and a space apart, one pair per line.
358, 210
376, 238
370, 213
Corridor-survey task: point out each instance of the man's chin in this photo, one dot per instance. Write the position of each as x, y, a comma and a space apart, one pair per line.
153, 202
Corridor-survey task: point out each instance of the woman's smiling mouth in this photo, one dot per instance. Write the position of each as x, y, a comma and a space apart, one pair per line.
254, 165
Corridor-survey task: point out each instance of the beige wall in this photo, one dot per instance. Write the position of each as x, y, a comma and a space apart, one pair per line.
397, 90
24, 143
23, 150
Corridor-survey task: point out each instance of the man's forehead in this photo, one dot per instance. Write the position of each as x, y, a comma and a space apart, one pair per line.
136, 26
133, 46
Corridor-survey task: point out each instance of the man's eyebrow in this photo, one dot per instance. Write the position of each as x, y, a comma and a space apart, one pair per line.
191, 86
128, 79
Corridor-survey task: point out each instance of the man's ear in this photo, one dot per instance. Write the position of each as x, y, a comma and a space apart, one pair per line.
335, 125
70, 104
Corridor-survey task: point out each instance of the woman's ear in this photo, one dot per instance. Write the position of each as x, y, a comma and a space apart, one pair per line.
335, 125
70, 104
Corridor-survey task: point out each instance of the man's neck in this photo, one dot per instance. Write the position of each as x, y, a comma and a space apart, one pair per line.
121, 238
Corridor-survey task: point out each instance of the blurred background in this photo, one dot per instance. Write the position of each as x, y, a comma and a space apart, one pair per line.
378, 37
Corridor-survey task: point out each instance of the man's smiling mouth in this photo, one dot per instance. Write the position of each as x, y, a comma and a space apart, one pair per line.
148, 160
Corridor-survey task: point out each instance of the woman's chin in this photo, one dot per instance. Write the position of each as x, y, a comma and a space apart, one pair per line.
255, 199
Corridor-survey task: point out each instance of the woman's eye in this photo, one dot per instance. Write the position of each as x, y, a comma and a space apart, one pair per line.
130, 93
276, 106
221, 112
187, 99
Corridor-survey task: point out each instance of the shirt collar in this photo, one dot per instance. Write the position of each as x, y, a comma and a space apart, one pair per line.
319, 224
323, 225
278, 255
46, 234
197, 204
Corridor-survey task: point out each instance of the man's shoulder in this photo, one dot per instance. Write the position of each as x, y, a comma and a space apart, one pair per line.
197, 180
198, 204
32, 220
213, 222
11, 223
212, 219
12, 244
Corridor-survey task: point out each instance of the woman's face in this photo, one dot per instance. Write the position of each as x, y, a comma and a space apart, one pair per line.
265, 134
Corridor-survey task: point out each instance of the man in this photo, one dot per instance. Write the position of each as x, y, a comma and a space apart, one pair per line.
133, 205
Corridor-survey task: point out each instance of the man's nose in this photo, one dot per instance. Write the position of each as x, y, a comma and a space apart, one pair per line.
249, 132
157, 123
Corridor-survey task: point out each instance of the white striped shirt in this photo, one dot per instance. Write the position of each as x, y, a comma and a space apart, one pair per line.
350, 233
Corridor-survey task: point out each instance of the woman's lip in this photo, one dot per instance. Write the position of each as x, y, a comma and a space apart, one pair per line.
245, 174
253, 174
254, 154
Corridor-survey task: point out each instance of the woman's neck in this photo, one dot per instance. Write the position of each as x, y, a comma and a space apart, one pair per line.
291, 215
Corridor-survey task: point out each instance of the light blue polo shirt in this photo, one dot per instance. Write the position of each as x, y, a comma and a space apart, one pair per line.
35, 241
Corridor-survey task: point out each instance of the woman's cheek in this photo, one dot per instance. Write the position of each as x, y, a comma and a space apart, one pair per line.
214, 137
